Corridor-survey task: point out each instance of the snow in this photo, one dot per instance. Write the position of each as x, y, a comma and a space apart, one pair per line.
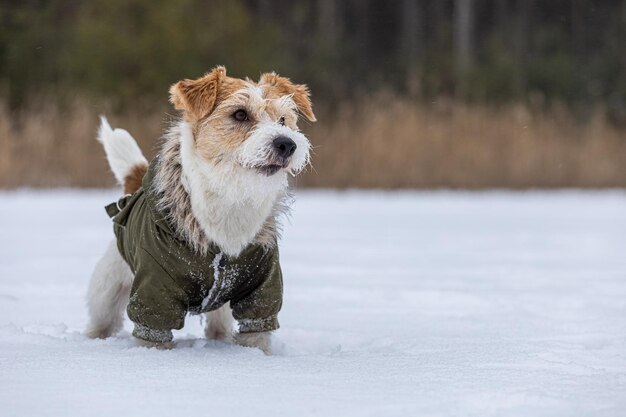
396, 304
216, 279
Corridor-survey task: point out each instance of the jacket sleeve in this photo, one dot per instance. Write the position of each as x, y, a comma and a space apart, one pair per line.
157, 305
258, 310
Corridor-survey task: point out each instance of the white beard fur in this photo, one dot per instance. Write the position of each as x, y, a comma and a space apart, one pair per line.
230, 203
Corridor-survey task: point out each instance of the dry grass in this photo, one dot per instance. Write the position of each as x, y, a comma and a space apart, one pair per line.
381, 142
390, 143
53, 146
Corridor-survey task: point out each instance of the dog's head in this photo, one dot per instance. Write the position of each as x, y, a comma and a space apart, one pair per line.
246, 124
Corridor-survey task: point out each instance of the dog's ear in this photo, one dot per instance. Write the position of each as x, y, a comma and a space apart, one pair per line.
299, 92
197, 97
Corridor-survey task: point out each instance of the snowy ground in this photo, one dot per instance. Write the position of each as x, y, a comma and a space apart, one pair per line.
396, 304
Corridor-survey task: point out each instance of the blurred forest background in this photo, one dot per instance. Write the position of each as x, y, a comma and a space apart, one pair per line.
408, 93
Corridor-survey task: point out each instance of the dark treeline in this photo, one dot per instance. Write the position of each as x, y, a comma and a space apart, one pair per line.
476, 50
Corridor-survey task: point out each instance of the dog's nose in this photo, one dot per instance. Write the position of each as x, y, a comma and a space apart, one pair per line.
284, 146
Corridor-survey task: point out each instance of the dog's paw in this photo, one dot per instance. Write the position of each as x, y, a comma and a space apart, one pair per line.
155, 345
218, 334
94, 332
259, 340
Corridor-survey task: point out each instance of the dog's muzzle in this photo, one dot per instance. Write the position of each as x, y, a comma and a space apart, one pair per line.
284, 147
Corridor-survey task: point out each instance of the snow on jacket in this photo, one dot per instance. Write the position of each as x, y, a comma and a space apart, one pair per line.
171, 279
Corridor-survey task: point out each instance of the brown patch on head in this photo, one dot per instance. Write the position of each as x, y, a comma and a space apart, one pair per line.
213, 105
275, 86
198, 98
220, 133
132, 181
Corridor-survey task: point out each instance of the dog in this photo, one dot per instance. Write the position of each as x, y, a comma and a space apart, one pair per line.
197, 228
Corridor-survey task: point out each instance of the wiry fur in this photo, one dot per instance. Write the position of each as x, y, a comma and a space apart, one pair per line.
255, 150
231, 203
124, 156
220, 181
174, 198
108, 294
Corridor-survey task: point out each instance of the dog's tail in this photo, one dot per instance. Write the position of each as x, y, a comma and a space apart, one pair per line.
125, 158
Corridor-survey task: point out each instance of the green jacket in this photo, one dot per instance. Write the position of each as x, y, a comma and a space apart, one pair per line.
171, 279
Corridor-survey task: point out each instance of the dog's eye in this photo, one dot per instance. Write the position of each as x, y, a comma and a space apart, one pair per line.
281, 121
241, 115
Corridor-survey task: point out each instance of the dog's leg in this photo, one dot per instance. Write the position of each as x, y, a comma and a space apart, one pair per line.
260, 340
219, 323
155, 345
108, 294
